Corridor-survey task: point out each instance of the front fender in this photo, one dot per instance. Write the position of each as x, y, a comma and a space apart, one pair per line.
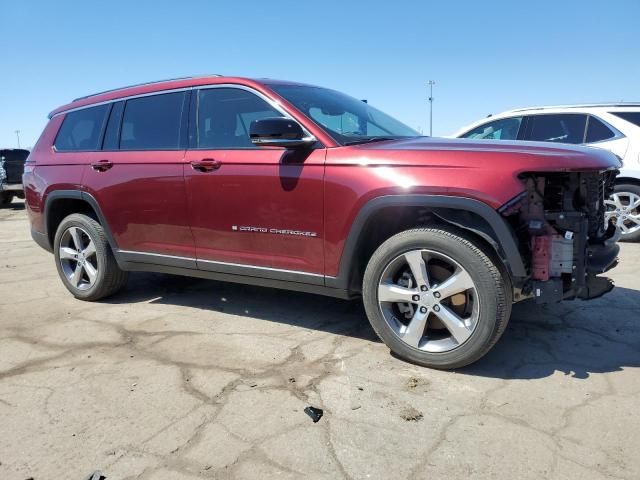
495, 229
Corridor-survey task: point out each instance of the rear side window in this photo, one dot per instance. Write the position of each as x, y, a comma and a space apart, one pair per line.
632, 117
152, 123
503, 129
81, 130
560, 128
598, 131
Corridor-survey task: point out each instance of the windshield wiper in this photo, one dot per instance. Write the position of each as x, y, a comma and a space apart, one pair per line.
369, 140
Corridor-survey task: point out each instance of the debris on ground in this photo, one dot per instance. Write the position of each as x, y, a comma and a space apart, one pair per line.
314, 413
412, 383
410, 414
292, 379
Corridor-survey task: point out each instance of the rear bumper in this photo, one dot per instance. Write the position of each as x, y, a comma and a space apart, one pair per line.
11, 187
42, 240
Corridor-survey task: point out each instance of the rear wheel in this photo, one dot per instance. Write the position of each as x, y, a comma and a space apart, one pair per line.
435, 298
623, 207
84, 259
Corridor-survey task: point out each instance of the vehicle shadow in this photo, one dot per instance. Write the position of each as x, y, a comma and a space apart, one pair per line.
340, 317
575, 337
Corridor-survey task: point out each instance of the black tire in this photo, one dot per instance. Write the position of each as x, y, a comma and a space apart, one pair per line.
110, 278
634, 189
491, 282
5, 198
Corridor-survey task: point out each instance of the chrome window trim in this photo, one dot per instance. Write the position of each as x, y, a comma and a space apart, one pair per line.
117, 99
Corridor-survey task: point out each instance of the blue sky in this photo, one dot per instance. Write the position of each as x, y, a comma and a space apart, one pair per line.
484, 56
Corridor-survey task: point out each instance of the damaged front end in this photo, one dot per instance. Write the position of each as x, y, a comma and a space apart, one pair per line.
563, 236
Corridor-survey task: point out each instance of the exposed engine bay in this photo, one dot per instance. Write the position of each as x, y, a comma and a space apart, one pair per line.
560, 223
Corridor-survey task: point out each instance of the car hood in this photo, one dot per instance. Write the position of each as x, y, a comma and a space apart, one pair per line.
532, 154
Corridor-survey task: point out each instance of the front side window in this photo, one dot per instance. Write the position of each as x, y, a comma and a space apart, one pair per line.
344, 118
597, 131
152, 123
503, 129
225, 115
81, 130
560, 128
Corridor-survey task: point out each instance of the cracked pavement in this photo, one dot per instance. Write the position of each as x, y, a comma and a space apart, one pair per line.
180, 378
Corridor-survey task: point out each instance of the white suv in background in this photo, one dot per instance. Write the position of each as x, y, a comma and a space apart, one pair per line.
615, 127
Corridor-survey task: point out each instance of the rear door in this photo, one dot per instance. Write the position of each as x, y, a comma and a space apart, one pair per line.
137, 178
253, 210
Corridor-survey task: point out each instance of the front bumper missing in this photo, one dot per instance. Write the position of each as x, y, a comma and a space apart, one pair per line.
589, 260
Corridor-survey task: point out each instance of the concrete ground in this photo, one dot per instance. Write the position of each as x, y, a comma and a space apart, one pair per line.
180, 378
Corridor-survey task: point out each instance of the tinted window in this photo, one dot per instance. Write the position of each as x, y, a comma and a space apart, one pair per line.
598, 131
225, 115
112, 132
503, 129
152, 123
81, 129
633, 117
561, 128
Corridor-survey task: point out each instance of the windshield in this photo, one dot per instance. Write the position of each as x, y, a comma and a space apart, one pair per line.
345, 118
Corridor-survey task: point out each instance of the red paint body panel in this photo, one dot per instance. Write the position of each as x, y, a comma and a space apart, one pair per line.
258, 188
155, 202
144, 201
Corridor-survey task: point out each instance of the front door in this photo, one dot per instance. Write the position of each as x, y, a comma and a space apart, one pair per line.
253, 210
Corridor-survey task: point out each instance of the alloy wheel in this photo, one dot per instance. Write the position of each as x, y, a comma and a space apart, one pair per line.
429, 300
78, 258
624, 209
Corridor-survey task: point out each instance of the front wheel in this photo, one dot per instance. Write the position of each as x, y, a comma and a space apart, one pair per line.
436, 298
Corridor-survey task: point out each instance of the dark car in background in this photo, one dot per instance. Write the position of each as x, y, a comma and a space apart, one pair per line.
12, 162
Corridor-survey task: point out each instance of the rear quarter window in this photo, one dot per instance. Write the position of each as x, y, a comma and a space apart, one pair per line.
81, 130
597, 131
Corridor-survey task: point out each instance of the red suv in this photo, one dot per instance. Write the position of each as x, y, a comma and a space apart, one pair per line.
293, 186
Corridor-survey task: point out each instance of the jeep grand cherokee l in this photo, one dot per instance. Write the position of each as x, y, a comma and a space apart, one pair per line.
293, 186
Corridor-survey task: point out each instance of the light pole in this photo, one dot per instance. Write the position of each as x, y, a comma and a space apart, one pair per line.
18, 135
431, 84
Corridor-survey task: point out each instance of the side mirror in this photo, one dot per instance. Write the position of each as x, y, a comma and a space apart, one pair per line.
278, 132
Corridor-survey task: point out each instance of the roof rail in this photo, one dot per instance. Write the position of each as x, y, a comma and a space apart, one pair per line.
581, 105
145, 83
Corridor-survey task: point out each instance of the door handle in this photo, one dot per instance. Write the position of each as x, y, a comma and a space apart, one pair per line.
102, 165
205, 165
